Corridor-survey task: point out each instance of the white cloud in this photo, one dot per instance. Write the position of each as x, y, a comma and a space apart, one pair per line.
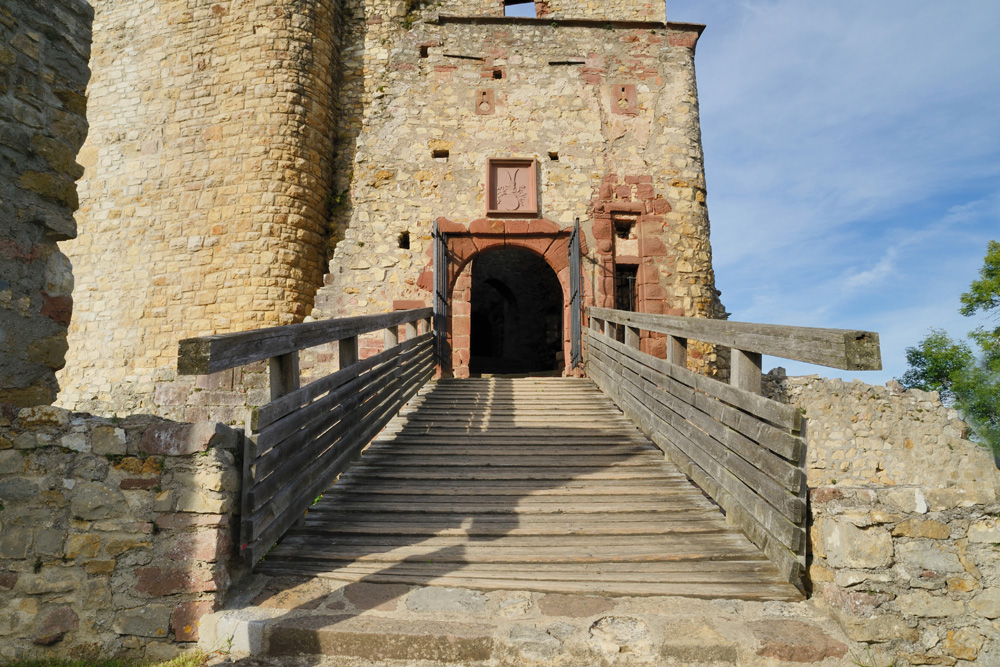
852, 158
878, 273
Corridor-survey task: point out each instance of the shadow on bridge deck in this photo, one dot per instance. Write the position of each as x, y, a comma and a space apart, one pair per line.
531, 484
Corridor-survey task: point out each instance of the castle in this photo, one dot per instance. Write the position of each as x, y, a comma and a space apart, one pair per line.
251, 164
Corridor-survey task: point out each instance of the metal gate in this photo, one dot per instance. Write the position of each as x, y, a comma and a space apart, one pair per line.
440, 295
576, 298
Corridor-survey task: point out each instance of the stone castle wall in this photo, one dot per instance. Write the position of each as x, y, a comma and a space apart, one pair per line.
116, 536
860, 434
235, 145
608, 10
208, 177
904, 527
912, 570
43, 78
421, 139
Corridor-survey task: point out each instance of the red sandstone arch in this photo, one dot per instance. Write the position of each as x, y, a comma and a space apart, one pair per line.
540, 236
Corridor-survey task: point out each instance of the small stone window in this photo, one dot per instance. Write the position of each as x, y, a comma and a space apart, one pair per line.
440, 155
519, 8
404, 241
553, 156
425, 51
624, 228
625, 287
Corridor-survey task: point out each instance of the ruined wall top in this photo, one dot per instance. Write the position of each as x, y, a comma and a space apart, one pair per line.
44, 49
607, 10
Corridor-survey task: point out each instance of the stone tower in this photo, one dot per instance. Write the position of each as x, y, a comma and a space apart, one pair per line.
237, 147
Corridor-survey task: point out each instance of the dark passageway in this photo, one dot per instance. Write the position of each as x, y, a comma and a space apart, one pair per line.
517, 313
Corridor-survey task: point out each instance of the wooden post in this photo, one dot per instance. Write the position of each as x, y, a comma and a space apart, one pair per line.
410, 330
746, 370
284, 372
391, 337
632, 337
677, 351
348, 351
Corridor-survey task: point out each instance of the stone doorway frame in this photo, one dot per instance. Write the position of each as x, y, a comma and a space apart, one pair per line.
540, 236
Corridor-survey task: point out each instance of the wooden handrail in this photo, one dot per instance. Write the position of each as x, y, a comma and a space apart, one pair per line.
836, 348
211, 354
306, 436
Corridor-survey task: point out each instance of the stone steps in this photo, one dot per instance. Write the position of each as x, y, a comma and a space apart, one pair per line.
287, 621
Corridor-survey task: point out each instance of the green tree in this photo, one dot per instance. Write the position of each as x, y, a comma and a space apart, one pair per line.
966, 380
984, 296
935, 362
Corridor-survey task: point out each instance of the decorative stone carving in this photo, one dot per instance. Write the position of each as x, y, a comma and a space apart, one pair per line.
623, 100
511, 187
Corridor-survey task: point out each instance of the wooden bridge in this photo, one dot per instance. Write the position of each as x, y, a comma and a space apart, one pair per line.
645, 479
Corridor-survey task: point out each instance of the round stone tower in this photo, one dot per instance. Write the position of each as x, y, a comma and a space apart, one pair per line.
203, 206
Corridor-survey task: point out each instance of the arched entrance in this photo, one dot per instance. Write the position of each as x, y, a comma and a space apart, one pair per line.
516, 314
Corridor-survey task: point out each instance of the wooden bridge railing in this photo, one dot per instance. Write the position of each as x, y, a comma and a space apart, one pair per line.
306, 436
746, 451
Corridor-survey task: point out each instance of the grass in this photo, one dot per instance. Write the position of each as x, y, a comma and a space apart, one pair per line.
190, 660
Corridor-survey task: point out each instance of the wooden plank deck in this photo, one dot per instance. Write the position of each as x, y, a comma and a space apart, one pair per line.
525, 484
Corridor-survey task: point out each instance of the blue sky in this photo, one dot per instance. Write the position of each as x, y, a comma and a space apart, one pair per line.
852, 151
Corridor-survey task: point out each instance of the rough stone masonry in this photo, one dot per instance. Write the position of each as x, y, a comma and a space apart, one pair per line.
44, 49
236, 147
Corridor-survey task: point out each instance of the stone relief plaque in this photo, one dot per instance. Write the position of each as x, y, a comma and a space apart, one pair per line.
511, 187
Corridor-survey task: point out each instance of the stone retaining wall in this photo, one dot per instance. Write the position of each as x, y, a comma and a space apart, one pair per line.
115, 536
914, 569
860, 434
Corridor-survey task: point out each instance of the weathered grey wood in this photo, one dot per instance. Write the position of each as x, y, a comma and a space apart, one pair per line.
533, 522
779, 414
410, 330
837, 348
311, 420
677, 350
745, 372
266, 525
348, 351
390, 337
284, 374
713, 440
766, 526
283, 464
713, 416
776, 536
632, 337
313, 441
268, 414
211, 354
722, 458
725, 484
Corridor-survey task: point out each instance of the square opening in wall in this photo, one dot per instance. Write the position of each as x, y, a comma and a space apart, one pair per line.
425, 51
626, 297
624, 229
553, 156
519, 8
440, 155
404, 241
